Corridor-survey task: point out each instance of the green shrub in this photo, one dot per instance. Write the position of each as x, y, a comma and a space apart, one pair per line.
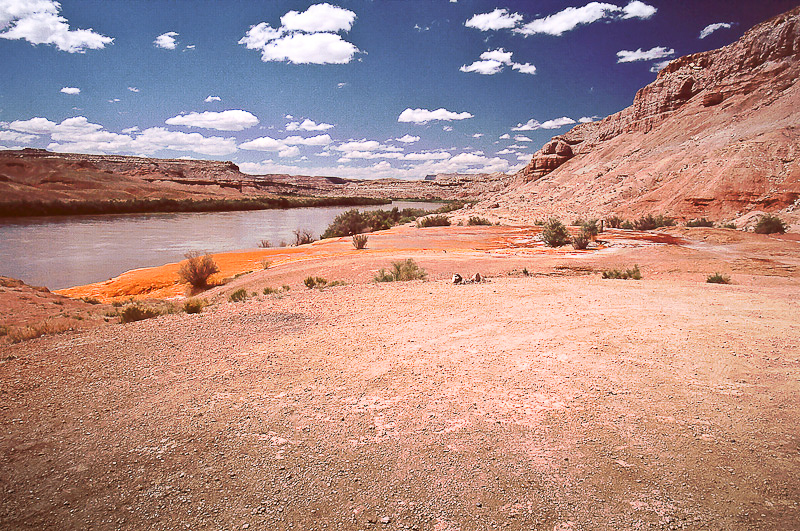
194, 305
401, 271
555, 234
650, 222
590, 228
718, 278
627, 225
769, 224
615, 222
581, 241
702, 222
475, 220
360, 240
315, 282
303, 236
624, 274
439, 220
197, 269
134, 312
238, 296
353, 222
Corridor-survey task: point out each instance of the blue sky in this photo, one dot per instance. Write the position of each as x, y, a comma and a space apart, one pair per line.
352, 88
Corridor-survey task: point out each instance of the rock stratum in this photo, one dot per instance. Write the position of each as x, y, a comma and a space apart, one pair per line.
40, 175
716, 134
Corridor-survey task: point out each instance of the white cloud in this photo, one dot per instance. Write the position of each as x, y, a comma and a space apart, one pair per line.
287, 152
523, 157
307, 125
130, 130
447, 128
39, 22
212, 98
71, 90
505, 152
267, 143
264, 143
496, 20
307, 37
711, 28
133, 89
190, 47
233, 120
499, 55
166, 40
505, 136
526, 68
522, 138
421, 28
341, 85
319, 17
115, 100
532, 124
477, 135
421, 116
158, 138
659, 52
570, 18
36, 126
13, 136
586, 119
659, 66
360, 145
428, 155
517, 146
407, 139
319, 140
486, 68
637, 9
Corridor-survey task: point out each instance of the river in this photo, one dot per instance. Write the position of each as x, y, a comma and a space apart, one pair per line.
60, 252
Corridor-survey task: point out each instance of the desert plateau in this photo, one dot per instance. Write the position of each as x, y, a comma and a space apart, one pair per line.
603, 337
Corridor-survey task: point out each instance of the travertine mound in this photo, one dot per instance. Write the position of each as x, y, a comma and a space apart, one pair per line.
715, 134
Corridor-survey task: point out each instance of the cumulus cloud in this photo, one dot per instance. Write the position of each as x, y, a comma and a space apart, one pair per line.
586, 119
711, 28
486, 68
291, 151
570, 18
659, 52
166, 40
13, 136
522, 138
36, 126
307, 125
496, 20
158, 138
526, 68
267, 143
71, 90
39, 22
408, 139
506, 151
360, 145
505, 136
422, 116
307, 37
209, 99
532, 124
477, 135
659, 66
233, 120
492, 62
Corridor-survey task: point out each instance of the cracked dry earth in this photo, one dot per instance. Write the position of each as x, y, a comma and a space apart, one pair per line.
561, 403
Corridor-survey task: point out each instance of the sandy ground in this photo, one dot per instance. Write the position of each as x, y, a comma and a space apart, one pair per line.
555, 401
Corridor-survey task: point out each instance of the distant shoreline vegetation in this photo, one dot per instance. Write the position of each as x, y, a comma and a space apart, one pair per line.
20, 209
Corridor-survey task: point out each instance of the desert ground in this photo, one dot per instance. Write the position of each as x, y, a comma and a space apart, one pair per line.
544, 397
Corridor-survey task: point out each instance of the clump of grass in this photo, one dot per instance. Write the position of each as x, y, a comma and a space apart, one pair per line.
197, 269
266, 263
275, 291
581, 241
134, 312
194, 305
17, 334
769, 224
650, 222
90, 300
729, 225
315, 282
718, 278
360, 240
264, 244
238, 296
624, 274
702, 222
555, 234
615, 222
403, 270
303, 236
476, 220
439, 220
285, 287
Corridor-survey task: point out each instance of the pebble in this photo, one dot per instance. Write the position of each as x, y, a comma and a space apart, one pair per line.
385, 520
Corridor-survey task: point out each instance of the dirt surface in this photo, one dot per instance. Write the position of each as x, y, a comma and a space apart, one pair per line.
554, 401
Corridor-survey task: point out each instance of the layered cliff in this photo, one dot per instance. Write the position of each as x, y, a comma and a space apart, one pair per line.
715, 134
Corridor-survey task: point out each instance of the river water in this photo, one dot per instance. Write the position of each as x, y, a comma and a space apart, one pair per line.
59, 252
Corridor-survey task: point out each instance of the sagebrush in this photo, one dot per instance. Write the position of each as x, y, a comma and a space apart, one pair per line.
403, 270
197, 269
555, 234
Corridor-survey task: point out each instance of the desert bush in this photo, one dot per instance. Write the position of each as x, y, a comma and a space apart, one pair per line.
475, 220
90, 300
360, 240
769, 224
302, 237
264, 244
615, 222
729, 225
650, 222
702, 222
539, 222
555, 234
285, 287
134, 312
197, 269
401, 271
315, 282
718, 278
590, 228
275, 291
238, 296
439, 220
624, 274
525, 272
581, 241
194, 305
266, 263
627, 225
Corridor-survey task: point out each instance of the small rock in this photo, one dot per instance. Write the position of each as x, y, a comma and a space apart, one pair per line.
476, 277
385, 520
245, 526
457, 279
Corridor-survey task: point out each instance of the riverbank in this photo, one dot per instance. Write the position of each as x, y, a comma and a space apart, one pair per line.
544, 397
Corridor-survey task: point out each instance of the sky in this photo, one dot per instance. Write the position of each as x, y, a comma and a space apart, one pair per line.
350, 88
